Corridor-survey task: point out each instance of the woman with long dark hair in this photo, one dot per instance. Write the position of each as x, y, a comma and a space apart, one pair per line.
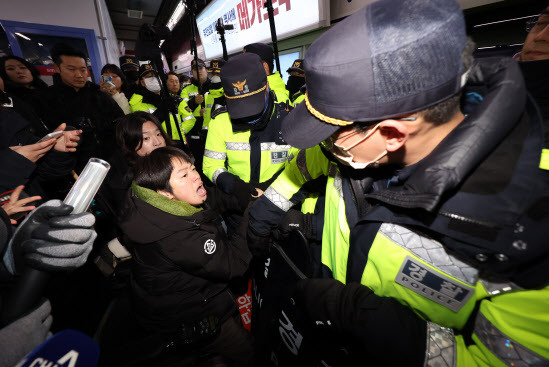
137, 135
118, 88
22, 82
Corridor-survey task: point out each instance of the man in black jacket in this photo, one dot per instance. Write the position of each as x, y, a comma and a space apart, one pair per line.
80, 104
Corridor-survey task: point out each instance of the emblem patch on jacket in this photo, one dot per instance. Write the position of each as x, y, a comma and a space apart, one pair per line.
433, 285
279, 157
209, 246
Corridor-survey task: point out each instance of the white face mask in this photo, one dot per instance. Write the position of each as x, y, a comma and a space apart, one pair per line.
215, 79
346, 157
152, 84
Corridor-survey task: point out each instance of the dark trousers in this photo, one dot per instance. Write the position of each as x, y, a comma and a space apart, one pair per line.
234, 343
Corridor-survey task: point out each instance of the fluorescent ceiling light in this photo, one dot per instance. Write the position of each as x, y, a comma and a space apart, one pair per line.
176, 16
503, 21
22, 36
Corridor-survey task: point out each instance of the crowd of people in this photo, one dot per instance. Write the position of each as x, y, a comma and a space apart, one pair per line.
424, 211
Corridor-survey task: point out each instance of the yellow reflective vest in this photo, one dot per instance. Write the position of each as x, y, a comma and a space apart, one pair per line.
250, 154
511, 326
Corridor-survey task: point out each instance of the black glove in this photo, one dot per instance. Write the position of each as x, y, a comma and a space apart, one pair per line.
332, 303
244, 191
52, 239
295, 220
259, 245
25, 334
386, 332
167, 106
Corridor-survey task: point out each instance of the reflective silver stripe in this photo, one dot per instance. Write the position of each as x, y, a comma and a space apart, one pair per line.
506, 349
209, 105
238, 146
187, 118
215, 155
441, 346
277, 199
274, 146
186, 99
217, 173
204, 128
431, 251
338, 184
302, 164
494, 288
192, 94
291, 157
217, 106
151, 110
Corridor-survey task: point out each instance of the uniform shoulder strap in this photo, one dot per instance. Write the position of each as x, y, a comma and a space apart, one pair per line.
219, 111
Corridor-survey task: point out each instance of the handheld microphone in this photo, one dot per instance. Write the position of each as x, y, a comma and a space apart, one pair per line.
31, 284
68, 348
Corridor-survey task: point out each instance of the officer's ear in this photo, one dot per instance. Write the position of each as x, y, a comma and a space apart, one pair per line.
395, 133
169, 195
56, 68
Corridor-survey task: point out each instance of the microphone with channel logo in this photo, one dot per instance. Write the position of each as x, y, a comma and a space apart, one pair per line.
68, 348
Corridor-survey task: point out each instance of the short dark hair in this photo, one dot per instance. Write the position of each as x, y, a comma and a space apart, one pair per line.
129, 133
37, 82
154, 171
172, 73
62, 49
184, 78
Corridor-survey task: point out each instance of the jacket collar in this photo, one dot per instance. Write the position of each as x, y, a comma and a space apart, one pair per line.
469, 143
174, 207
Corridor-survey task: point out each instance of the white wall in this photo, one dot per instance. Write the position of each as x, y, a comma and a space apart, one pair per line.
66, 13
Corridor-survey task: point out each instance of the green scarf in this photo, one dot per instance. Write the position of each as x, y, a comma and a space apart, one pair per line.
159, 201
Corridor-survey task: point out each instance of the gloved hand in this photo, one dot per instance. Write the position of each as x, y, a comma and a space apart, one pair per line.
385, 331
259, 245
25, 334
244, 191
51, 239
332, 303
168, 105
295, 220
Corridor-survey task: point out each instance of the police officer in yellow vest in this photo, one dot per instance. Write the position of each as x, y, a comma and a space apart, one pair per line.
434, 226
276, 84
215, 97
149, 98
296, 82
244, 148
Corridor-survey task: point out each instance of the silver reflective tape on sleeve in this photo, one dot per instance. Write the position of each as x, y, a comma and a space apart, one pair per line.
274, 146
302, 164
238, 146
441, 346
431, 251
338, 184
215, 155
506, 349
187, 118
217, 173
277, 199
151, 110
209, 105
217, 106
186, 99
